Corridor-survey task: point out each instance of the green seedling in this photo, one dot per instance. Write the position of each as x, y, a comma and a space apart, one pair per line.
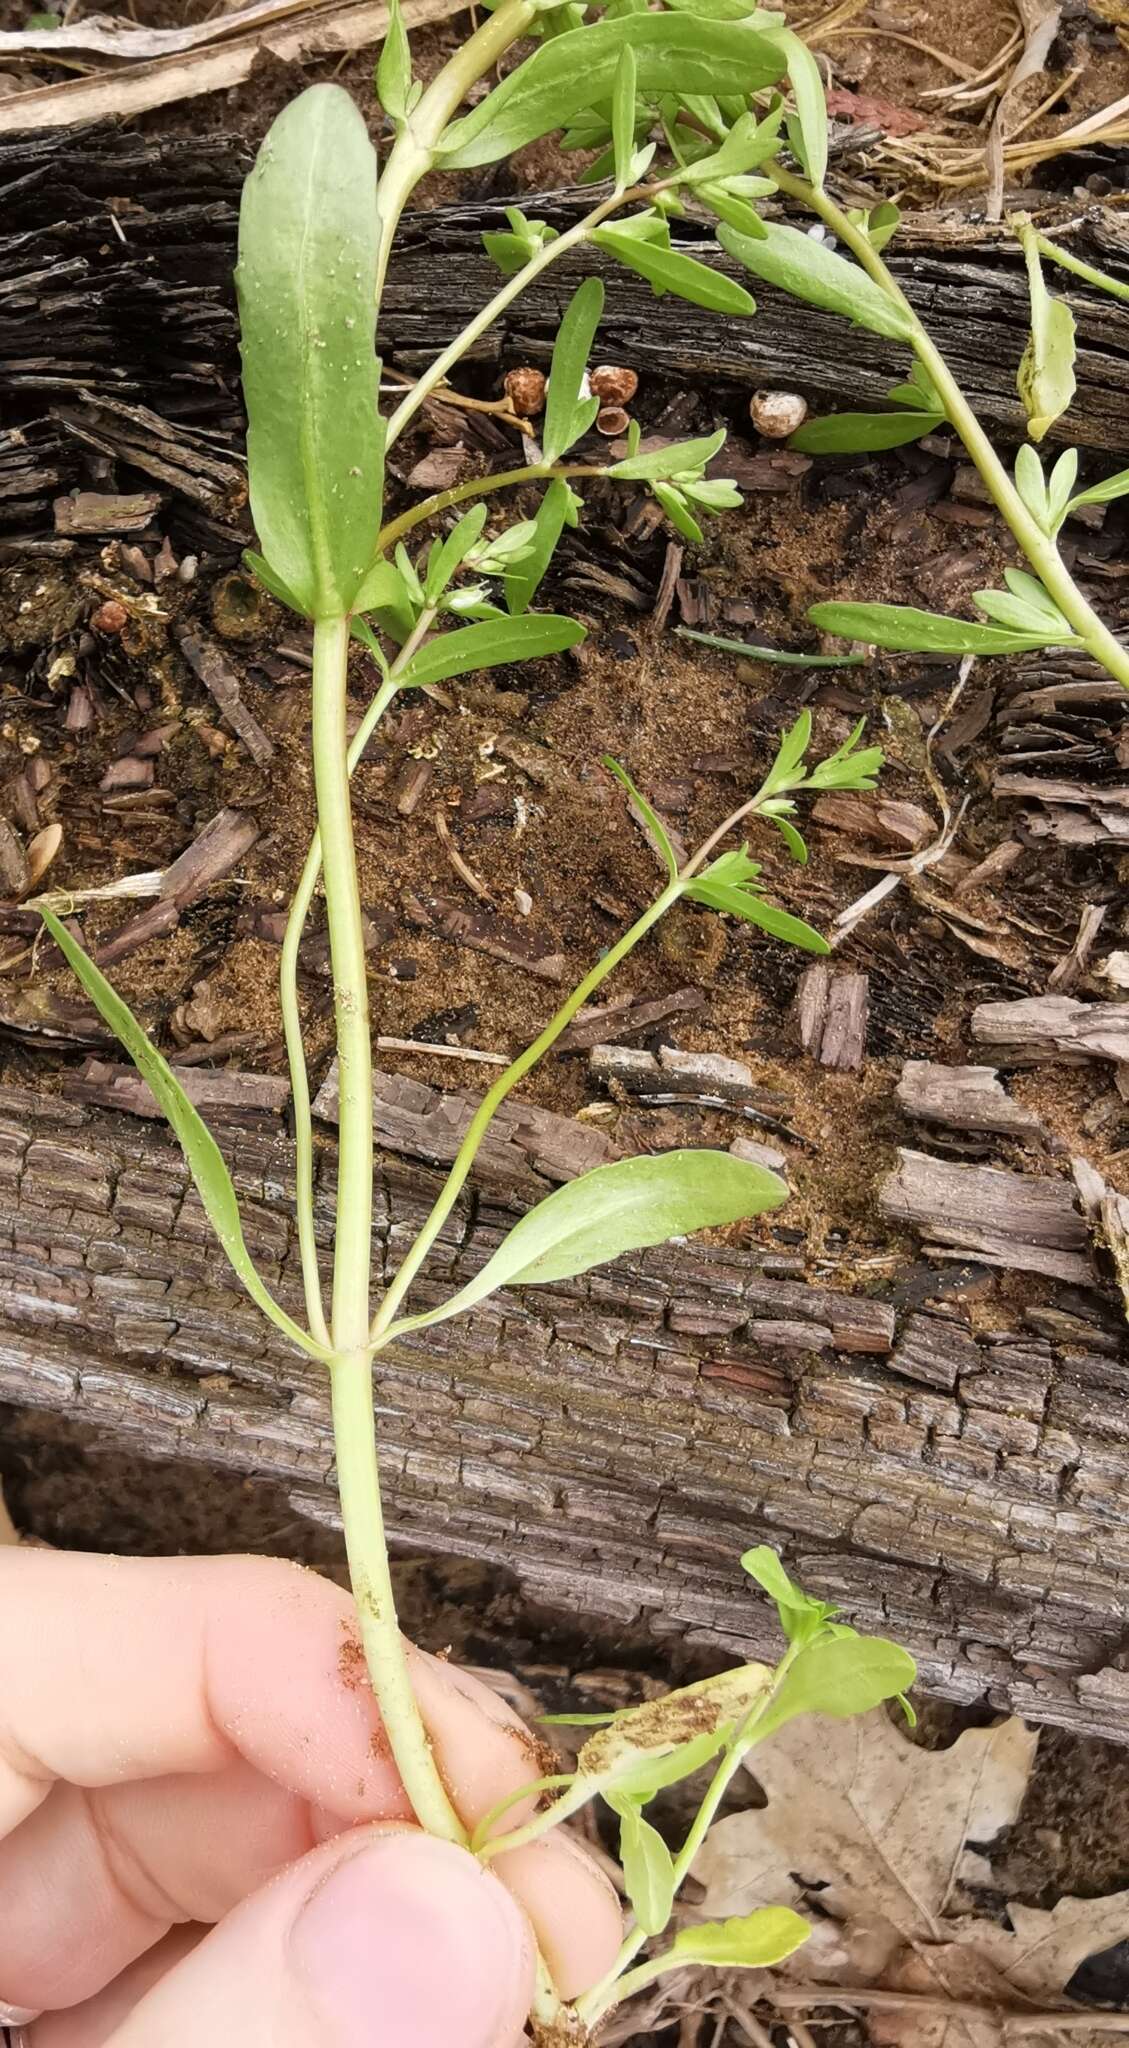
677, 102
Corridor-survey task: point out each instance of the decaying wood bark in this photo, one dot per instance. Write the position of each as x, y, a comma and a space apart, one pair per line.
616, 1440
118, 336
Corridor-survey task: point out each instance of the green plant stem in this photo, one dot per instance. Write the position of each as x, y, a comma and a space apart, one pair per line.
350, 1368
436, 372
1086, 271
611, 1988
1038, 547
358, 1480
353, 1238
481, 487
288, 998
413, 152
382, 1329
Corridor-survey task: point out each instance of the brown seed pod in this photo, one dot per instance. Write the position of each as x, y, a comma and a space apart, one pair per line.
525, 390
613, 385
776, 414
612, 421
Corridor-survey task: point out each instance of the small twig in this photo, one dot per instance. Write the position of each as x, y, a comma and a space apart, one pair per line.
446, 1052
462, 868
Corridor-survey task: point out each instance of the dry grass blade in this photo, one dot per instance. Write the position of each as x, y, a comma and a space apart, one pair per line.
1040, 26
114, 95
110, 36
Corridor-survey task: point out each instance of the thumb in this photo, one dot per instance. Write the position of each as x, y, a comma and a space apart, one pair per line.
379, 1938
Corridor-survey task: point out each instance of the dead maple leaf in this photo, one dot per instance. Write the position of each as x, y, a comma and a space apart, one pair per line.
878, 1839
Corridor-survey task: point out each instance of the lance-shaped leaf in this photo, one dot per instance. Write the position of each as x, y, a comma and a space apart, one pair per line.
681, 458
905, 630
670, 270
755, 1941
813, 272
203, 1156
648, 1869
1045, 381
729, 885
490, 644
623, 117
809, 135
674, 53
656, 830
307, 307
567, 414
857, 433
394, 71
1111, 487
616, 1209
559, 508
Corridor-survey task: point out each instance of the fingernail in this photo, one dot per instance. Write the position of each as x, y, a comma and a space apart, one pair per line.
409, 1939
17, 2015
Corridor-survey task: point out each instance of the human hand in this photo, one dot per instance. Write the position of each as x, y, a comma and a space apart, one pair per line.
203, 1838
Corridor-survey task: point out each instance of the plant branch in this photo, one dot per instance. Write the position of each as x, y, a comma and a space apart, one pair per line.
436, 372
413, 152
1038, 547
483, 487
613, 1987
383, 1329
291, 1013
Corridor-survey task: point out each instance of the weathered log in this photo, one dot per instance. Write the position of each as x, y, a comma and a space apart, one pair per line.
617, 1440
120, 341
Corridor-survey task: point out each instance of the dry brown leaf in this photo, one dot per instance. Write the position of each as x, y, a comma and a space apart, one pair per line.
878, 1824
879, 1839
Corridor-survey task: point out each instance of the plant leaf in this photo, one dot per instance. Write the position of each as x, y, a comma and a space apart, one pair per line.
490, 644
1031, 483
1060, 483
852, 433
779, 924
749, 143
648, 1869
753, 1942
811, 107
203, 1156
813, 272
1045, 380
1111, 487
681, 459
567, 415
522, 584
839, 1675
649, 815
752, 652
623, 117
1023, 615
615, 1209
801, 1617
673, 53
306, 280
670, 270
906, 630
394, 71
452, 552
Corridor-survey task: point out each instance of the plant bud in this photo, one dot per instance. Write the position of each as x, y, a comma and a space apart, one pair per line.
525, 390
613, 386
612, 421
776, 414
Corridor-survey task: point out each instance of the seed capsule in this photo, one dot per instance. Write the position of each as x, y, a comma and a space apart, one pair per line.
612, 385
525, 390
776, 414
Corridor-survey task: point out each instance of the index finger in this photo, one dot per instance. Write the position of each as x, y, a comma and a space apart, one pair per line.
131, 1668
